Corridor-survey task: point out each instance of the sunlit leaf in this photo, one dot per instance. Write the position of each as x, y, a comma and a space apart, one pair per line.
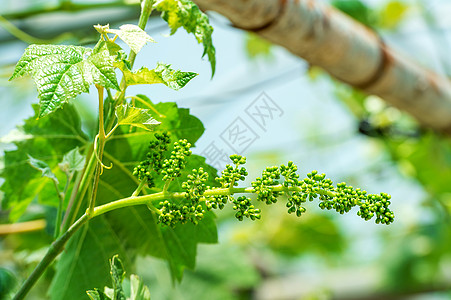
133, 116
138, 291
186, 14
97, 295
175, 79
133, 36
62, 72
117, 274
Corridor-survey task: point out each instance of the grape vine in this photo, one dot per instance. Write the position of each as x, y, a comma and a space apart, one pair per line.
175, 192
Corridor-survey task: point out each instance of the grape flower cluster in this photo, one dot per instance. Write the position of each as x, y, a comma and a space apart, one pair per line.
171, 168
191, 204
154, 159
229, 179
295, 198
190, 208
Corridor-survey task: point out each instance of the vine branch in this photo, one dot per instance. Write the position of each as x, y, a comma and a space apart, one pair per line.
200, 193
55, 248
58, 245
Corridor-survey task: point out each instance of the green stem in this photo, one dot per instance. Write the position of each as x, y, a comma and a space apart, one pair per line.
110, 95
59, 215
62, 196
69, 211
138, 189
146, 10
164, 195
55, 248
100, 145
166, 185
79, 192
68, 180
88, 172
59, 212
111, 131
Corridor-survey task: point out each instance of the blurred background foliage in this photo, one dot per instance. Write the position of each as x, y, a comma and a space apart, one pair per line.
326, 125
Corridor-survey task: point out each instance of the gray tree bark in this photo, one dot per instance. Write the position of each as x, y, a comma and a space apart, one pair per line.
347, 50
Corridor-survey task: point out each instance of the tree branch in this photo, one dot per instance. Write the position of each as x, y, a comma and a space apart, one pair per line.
66, 6
347, 50
22, 227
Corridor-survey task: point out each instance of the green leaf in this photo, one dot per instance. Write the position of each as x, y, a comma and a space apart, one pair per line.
133, 36
175, 79
43, 139
186, 14
138, 291
43, 167
137, 226
62, 72
223, 277
178, 122
99, 66
72, 161
84, 262
181, 243
117, 274
8, 283
109, 292
133, 116
176, 245
97, 295
134, 230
